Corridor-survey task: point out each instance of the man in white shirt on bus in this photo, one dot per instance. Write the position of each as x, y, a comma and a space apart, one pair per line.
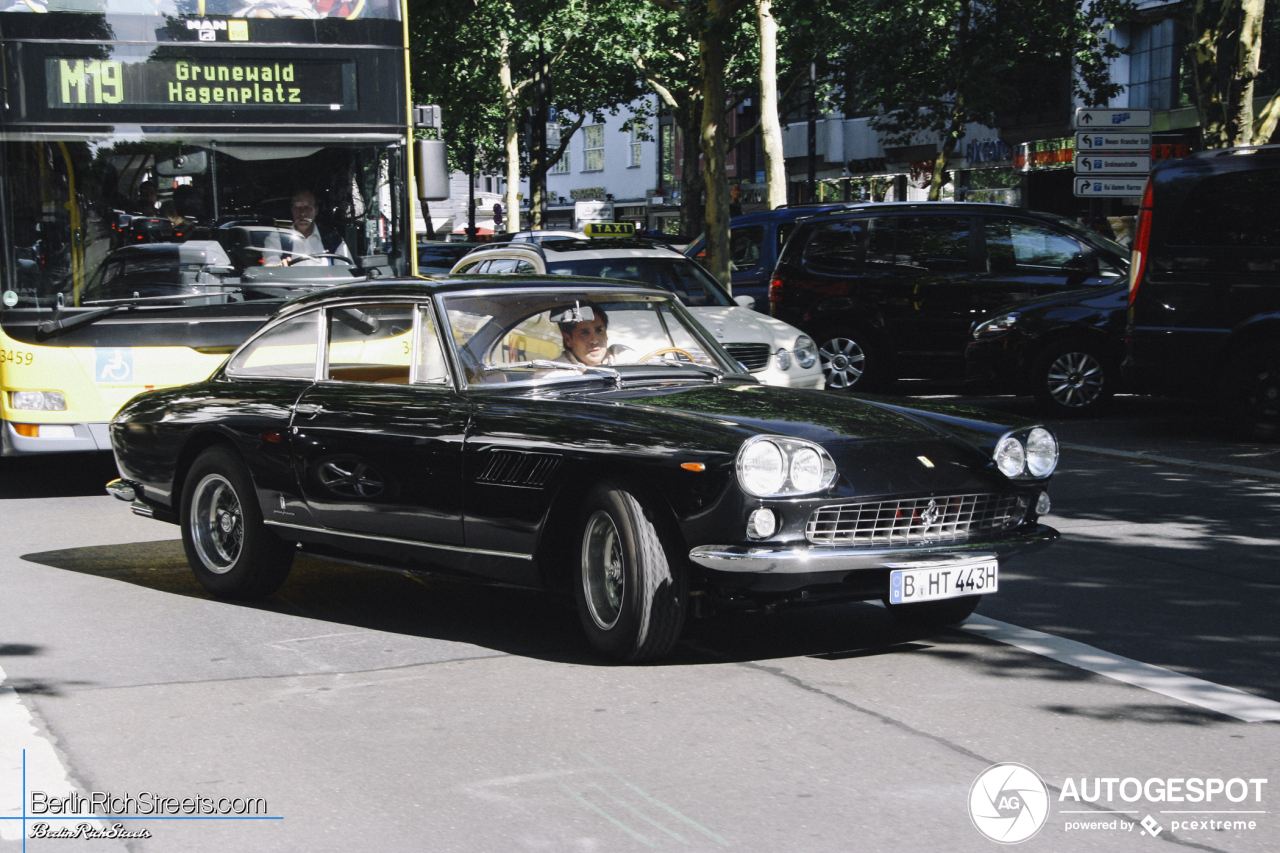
306, 241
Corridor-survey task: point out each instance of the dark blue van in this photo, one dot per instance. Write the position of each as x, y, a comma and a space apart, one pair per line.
755, 241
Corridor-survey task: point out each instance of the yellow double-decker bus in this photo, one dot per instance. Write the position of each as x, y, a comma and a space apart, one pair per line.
170, 171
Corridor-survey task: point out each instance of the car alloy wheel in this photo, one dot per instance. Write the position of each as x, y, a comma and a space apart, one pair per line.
603, 570
217, 523
843, 362
1075, 380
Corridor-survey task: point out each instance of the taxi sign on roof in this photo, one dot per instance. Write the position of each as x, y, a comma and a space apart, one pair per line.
609, 229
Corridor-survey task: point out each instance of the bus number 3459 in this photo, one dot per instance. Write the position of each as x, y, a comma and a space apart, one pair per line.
16, 356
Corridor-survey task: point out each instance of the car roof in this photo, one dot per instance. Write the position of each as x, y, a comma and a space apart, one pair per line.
422, 287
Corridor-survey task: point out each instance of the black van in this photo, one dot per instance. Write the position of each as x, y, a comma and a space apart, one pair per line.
1204, 294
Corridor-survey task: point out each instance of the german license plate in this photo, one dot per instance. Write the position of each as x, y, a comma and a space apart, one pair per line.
933, 581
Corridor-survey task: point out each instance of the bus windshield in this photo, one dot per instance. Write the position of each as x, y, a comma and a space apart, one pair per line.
120, 216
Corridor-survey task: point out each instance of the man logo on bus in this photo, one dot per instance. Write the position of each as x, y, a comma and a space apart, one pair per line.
114, 365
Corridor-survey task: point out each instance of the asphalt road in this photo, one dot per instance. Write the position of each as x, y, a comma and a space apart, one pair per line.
373, 711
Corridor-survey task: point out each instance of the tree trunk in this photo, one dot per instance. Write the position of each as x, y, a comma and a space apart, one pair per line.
1245, 72
956, 126
691, 177
510, 106
714, 149
1203, 52
775, 167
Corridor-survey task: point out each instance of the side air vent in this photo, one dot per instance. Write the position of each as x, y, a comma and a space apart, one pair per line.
517, 468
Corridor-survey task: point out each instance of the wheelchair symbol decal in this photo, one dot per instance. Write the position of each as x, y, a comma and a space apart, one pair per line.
114, 365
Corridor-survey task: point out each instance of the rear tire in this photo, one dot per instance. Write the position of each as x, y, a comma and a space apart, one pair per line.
1073, 378
631, 590
851, 361
1253, 392
230, 550
935, 614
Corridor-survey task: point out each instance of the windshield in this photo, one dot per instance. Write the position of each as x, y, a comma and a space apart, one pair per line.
122, 216
549, 336
684, 278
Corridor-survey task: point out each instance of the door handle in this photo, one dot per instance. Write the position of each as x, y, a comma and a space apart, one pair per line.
308, 409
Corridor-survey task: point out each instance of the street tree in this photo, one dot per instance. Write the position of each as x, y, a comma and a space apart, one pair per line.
1226, 59
934, 66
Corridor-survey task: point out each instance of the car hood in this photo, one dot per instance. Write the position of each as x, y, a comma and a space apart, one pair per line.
735, 324
878, 448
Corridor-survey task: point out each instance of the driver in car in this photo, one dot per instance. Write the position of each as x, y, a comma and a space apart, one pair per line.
307, 240
586, 336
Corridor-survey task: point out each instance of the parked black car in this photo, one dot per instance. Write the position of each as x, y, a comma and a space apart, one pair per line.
1205, 300
424, 426
893, 290
1064, 349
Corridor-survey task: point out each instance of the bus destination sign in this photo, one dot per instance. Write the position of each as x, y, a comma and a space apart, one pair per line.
97, 83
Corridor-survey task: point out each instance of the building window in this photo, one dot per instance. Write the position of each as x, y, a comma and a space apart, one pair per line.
593, 148
1152, 66
561, 166
635, 147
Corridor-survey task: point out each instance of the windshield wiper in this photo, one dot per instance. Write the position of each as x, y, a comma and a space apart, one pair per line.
110, 306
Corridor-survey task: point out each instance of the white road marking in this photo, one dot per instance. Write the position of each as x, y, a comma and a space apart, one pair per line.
1184, 688
44, 769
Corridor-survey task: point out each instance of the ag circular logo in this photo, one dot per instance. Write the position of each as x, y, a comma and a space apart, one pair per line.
1008, 802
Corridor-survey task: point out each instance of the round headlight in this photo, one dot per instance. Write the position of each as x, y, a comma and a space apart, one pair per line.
806, 470
1042, 452
761, 468
806, 351
784, 360
1010, 457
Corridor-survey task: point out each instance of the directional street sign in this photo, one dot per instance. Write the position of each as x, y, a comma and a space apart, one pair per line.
1090, 118
1112, 141
1109, 187
1113, 164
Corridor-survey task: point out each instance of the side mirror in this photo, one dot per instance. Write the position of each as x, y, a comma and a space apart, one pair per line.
431, 168
745, 301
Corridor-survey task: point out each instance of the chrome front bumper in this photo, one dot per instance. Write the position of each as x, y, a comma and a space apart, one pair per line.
803, 559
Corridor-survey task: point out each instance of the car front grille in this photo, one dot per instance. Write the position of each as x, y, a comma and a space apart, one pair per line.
917, 520
754, 357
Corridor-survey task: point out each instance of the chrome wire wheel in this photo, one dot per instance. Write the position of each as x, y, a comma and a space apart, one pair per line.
603, 570
217, 523
1075, 380
843, 362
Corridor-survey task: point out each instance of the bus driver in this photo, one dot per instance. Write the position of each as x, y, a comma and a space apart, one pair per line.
307, 241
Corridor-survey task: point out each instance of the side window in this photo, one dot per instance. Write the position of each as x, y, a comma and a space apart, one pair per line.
501, 266
432, 368
370, 343
1235, 209
286, 351
933, 243
836, 247
472, 267
1015, 246
525, 268
745, 243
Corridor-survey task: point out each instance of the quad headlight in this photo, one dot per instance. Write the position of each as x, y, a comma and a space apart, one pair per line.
777, 466
1031, 452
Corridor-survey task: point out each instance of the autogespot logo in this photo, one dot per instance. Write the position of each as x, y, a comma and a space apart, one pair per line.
1008, 802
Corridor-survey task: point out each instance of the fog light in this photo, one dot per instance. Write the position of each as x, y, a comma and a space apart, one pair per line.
1042, 504
762, 523
784, 360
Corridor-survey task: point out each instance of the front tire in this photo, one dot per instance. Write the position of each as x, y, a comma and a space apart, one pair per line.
935, 614
1073, 378
631, 589
230, 550
851, 361
1253, 392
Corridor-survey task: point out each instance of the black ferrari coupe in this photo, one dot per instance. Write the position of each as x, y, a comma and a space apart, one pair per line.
575, 435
